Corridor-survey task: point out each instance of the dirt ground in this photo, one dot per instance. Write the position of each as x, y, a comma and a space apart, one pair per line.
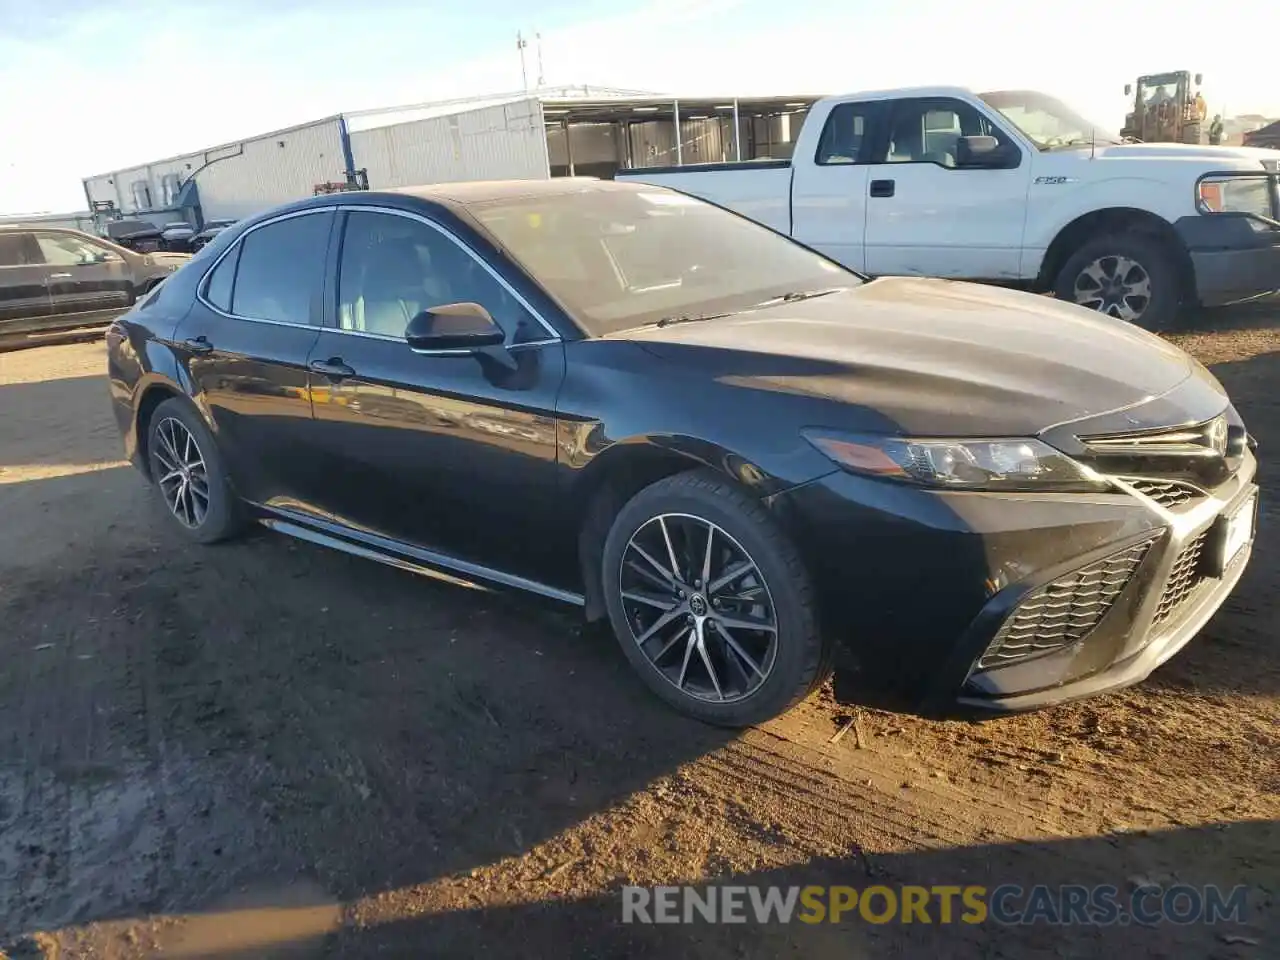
268, 749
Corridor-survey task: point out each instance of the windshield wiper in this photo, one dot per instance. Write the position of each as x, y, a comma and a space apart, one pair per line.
793, 296
689, 318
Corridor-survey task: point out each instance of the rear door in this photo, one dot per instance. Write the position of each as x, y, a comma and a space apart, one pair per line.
245, 345
928, 217
829, 189
24, 295
83, 276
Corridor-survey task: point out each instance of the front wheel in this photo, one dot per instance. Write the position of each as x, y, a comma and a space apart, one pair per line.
711, 602
1126, 276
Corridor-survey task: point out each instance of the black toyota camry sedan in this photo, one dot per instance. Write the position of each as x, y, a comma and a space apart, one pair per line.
735, 450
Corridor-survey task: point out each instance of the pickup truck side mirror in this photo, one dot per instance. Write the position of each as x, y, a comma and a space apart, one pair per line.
982, 152
453, 326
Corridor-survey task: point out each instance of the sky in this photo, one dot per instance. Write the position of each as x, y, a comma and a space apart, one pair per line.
89, 86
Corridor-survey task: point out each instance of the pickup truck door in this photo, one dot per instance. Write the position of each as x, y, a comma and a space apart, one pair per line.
829, 189
925, 216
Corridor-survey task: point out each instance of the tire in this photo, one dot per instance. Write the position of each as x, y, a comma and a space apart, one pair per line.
1151, 259
221, 515
789, 663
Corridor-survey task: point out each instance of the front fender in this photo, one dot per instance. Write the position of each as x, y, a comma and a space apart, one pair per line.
1050, 212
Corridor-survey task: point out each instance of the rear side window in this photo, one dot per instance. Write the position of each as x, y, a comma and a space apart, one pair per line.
222, 281
19, 250
280, 272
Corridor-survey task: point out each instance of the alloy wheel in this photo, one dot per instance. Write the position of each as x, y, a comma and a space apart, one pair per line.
1114, 285
184, 482
698, 608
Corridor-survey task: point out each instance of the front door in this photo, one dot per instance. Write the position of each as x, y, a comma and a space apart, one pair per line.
928, 217
83, 276
245, 345
454, 452
24, 292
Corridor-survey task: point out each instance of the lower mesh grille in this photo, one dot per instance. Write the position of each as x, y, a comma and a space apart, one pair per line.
1186, 576
1167, 493
1064, 611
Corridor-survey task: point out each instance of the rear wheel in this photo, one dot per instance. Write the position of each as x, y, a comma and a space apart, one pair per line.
1127, 276
188, 472
711, 602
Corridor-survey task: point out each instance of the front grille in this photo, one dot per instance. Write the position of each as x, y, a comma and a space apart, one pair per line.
1197, 439
1065, 611
1167, 493
1185, 578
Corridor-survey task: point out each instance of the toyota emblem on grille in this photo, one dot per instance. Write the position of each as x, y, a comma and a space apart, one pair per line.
1216, 436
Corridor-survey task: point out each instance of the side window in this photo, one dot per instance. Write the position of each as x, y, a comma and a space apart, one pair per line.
393, 268
281, 270
926, 131
222, 281
844, 136
68, 250
19, 250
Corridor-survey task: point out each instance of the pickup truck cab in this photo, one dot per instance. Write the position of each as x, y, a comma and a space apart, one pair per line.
1017, 188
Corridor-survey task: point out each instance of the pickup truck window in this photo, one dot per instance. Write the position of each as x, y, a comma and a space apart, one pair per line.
1047, 121
926, 130
846, 136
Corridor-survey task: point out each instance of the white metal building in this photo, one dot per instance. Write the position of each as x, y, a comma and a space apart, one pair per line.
534, 135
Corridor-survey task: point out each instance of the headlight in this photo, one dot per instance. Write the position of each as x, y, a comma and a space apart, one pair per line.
1236, 195
1001, 465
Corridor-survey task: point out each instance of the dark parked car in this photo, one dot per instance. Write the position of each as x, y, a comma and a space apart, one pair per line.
737, 451
211, 229
53, 278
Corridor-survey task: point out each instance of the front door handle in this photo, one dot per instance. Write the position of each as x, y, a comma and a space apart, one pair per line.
882, 188
59, 276
333, 368
199, 345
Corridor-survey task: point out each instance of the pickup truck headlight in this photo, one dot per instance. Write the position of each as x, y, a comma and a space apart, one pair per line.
997, 465
1242, 195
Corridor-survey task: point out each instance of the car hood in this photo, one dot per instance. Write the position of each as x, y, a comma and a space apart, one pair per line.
1177, 151
934, 357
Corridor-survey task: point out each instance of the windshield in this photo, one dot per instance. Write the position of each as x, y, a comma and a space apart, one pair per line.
617, 259
1047, 120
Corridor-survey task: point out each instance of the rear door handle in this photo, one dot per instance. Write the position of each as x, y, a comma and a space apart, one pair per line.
333, 368
199, 345
882, 188
59, 276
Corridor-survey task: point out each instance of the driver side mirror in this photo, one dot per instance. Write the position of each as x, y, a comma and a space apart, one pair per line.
453, 326
981, 152
1128, 89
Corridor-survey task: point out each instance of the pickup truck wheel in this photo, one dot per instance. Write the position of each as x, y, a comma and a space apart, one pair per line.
712, 603
1126, 276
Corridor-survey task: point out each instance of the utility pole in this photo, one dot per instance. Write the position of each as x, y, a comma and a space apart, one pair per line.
542, 79
521, 43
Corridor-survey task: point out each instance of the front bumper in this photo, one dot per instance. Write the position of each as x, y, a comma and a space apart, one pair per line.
917, 584
1235, 257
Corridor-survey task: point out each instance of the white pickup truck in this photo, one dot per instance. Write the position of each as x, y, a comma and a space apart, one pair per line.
1016, 188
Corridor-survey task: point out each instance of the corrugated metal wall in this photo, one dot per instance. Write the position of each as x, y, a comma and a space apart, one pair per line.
273, 169
500, 142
